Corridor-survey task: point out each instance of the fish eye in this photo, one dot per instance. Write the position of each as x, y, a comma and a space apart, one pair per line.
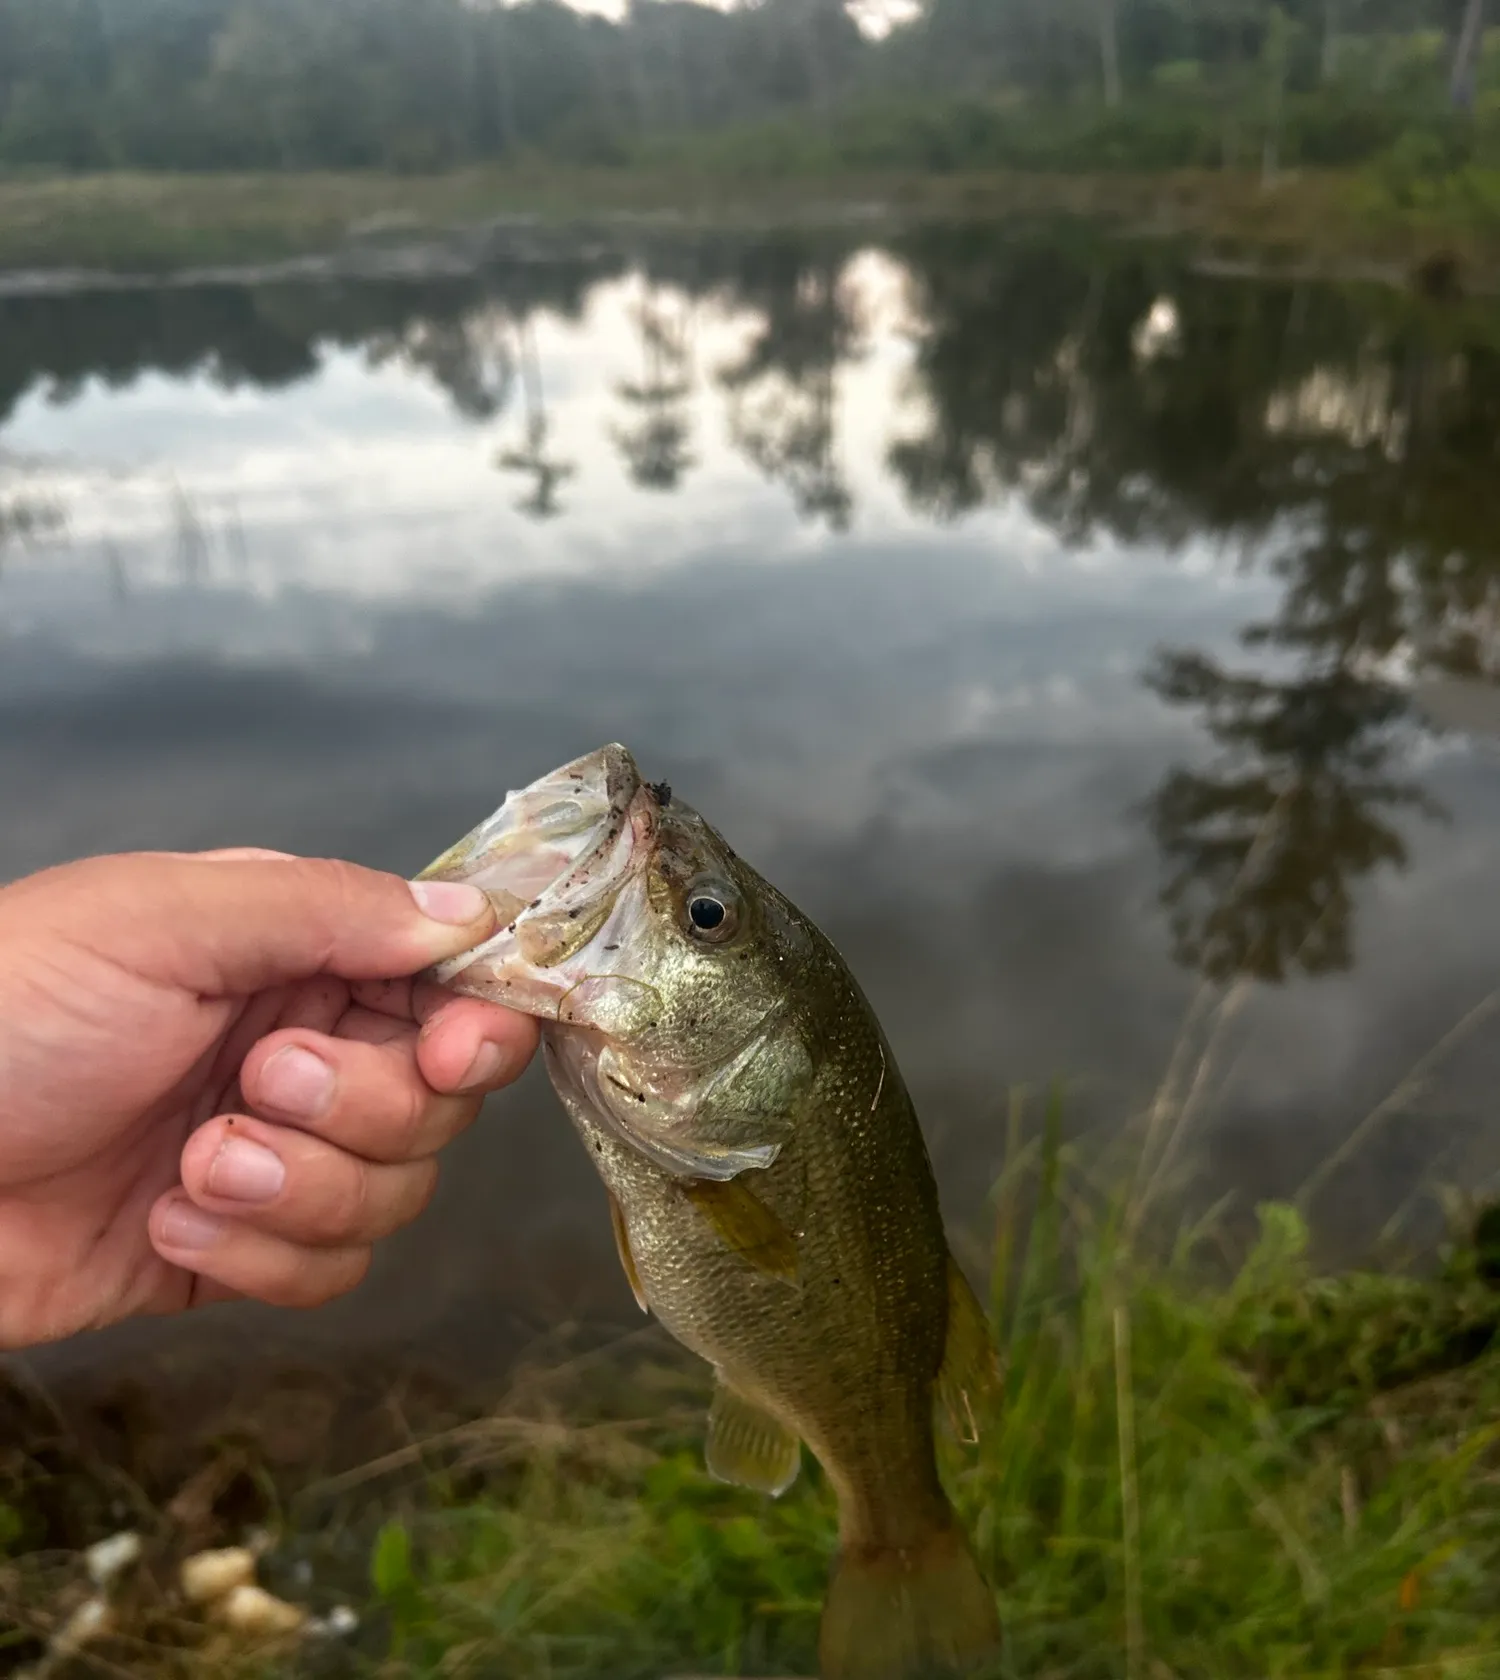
712, 911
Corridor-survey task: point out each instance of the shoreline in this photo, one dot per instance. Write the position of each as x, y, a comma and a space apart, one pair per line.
66, 234
1329, 1438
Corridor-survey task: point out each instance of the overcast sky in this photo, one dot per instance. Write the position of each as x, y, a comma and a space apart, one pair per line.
876, 16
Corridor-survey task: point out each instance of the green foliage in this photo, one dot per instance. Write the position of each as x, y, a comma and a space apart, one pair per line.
1257, 1480
396, 1584
429, 85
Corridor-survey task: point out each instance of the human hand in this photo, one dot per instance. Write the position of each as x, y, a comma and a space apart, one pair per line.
218, 1079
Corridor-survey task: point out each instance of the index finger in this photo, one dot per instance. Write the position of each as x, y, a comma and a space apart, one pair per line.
235, 925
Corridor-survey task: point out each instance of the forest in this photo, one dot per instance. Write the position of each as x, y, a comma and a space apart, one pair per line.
780, 85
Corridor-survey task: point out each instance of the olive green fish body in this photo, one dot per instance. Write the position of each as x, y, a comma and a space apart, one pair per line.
845, 1355
772, 1196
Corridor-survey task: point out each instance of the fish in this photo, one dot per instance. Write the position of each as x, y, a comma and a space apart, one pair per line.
772, 1198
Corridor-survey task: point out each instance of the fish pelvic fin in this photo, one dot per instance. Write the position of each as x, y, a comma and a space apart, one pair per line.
749, 1447
968, 1385
909, 1613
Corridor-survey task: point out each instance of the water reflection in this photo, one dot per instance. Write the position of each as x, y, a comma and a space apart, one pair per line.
783, 389
656, 442
1043, 614
1264, 847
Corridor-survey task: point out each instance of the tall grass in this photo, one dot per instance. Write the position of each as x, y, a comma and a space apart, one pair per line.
1198, 1469
1263, 1474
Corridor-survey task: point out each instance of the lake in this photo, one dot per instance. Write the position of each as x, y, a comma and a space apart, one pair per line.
1097, 647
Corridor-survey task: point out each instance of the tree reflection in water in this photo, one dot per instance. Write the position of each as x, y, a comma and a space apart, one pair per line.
783, 391
656, 445
1345, 440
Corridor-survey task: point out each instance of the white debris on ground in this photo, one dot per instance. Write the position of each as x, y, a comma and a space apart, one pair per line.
339, 1623
251, 1610
88, 1622
110, 1557
1159, 332
220, 1585
211, 1576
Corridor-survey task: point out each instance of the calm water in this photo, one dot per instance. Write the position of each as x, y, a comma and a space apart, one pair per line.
1044, 616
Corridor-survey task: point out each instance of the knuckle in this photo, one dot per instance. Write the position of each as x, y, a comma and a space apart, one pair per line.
350, 1270
414, 1124
346, 1210
395, 1197
304, 1280
337, 894
423, 1187
329, 884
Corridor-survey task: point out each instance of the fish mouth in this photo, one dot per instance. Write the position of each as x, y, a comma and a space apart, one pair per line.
554, 861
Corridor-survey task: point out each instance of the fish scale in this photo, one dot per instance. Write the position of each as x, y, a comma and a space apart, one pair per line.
773, 1197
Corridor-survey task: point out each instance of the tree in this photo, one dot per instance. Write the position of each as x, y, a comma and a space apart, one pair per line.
1276, 69
1462, 84
1109, 50
1328, 63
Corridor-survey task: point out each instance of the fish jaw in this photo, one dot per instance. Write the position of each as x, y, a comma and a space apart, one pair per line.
557, 861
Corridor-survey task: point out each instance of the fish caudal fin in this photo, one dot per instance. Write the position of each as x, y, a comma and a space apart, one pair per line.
912, 1614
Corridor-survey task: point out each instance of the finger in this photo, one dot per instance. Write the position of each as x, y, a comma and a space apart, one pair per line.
295, 1186
364, 1026
369, 1099
238, 925
238, 854
240, 1260
468, 1045
386, 997
409, 997
319, 1004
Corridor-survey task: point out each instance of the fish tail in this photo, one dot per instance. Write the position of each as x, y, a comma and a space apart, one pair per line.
907, 1613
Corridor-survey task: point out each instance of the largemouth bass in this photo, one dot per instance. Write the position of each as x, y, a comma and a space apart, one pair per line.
772, 1197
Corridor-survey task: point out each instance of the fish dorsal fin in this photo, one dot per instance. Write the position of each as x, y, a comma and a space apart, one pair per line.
968, 1384
748, 1447
746, 1226
627, 1259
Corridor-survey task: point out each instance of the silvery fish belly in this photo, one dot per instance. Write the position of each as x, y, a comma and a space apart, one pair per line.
771, 1193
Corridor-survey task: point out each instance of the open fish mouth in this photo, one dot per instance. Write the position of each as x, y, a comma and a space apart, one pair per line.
554, 860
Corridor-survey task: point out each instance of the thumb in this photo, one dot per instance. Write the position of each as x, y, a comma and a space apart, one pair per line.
236, 923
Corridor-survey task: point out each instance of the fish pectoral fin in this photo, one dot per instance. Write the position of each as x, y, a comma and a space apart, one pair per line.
748, 1447
627, 1259
745, 1225
968, 1384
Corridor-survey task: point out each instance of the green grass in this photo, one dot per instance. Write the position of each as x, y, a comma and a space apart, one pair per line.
1199, 1471
1253, 1478
1397, 213
146, 223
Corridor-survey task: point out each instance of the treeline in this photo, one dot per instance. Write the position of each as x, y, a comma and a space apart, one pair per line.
429, 84
407, 84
